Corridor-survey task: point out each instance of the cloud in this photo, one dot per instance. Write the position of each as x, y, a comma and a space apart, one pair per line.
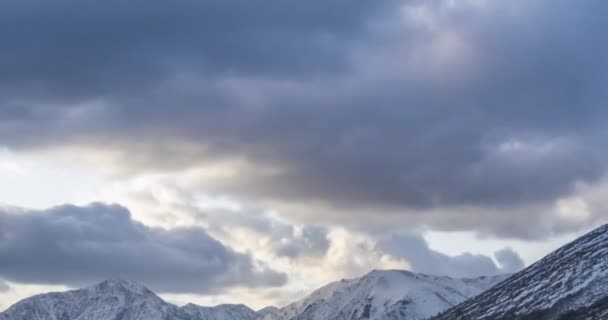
4, 286
416, 251
138, 44
509, 260
281, 238
79, 245
310, 241
250, 228
421, 109
350, 255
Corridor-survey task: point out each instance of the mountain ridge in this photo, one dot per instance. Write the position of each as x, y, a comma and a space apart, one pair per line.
569, 281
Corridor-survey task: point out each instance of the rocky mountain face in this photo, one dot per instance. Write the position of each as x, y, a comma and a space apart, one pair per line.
384, 295
570, 283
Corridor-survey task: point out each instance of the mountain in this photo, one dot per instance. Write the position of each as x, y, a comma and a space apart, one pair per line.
569, 284
221, 312
117, 300
384, 295
267, 310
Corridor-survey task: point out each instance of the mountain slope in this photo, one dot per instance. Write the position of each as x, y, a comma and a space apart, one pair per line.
117, 300
384, 295
266, 311
570, 283
221, 312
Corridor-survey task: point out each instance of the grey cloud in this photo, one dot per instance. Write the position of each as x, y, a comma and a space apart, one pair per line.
79, 245
286, 240
495, 106
422, 258
223, 220
312, 241
81, 48
4, 286
509, 260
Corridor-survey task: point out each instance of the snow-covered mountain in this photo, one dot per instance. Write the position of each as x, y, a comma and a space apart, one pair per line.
384, 295
570, 283
378, 295
117, 300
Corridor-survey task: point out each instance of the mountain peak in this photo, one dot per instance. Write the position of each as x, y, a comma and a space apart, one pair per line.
383, 272
121, 285
219, 306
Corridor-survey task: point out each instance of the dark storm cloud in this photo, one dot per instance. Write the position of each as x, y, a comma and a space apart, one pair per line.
84, 48
80, 245
422, 258
496, 105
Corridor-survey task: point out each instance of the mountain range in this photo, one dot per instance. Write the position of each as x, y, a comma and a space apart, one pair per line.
569, 284
382, 295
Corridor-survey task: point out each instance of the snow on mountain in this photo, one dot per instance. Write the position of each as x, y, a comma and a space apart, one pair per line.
267, 310
570, 283
221, 312
117, 300
384, 295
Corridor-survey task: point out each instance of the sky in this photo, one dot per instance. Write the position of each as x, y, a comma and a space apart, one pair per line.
250, 152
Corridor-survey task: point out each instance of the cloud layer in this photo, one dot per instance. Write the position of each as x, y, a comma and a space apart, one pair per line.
424, 109
80, 245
